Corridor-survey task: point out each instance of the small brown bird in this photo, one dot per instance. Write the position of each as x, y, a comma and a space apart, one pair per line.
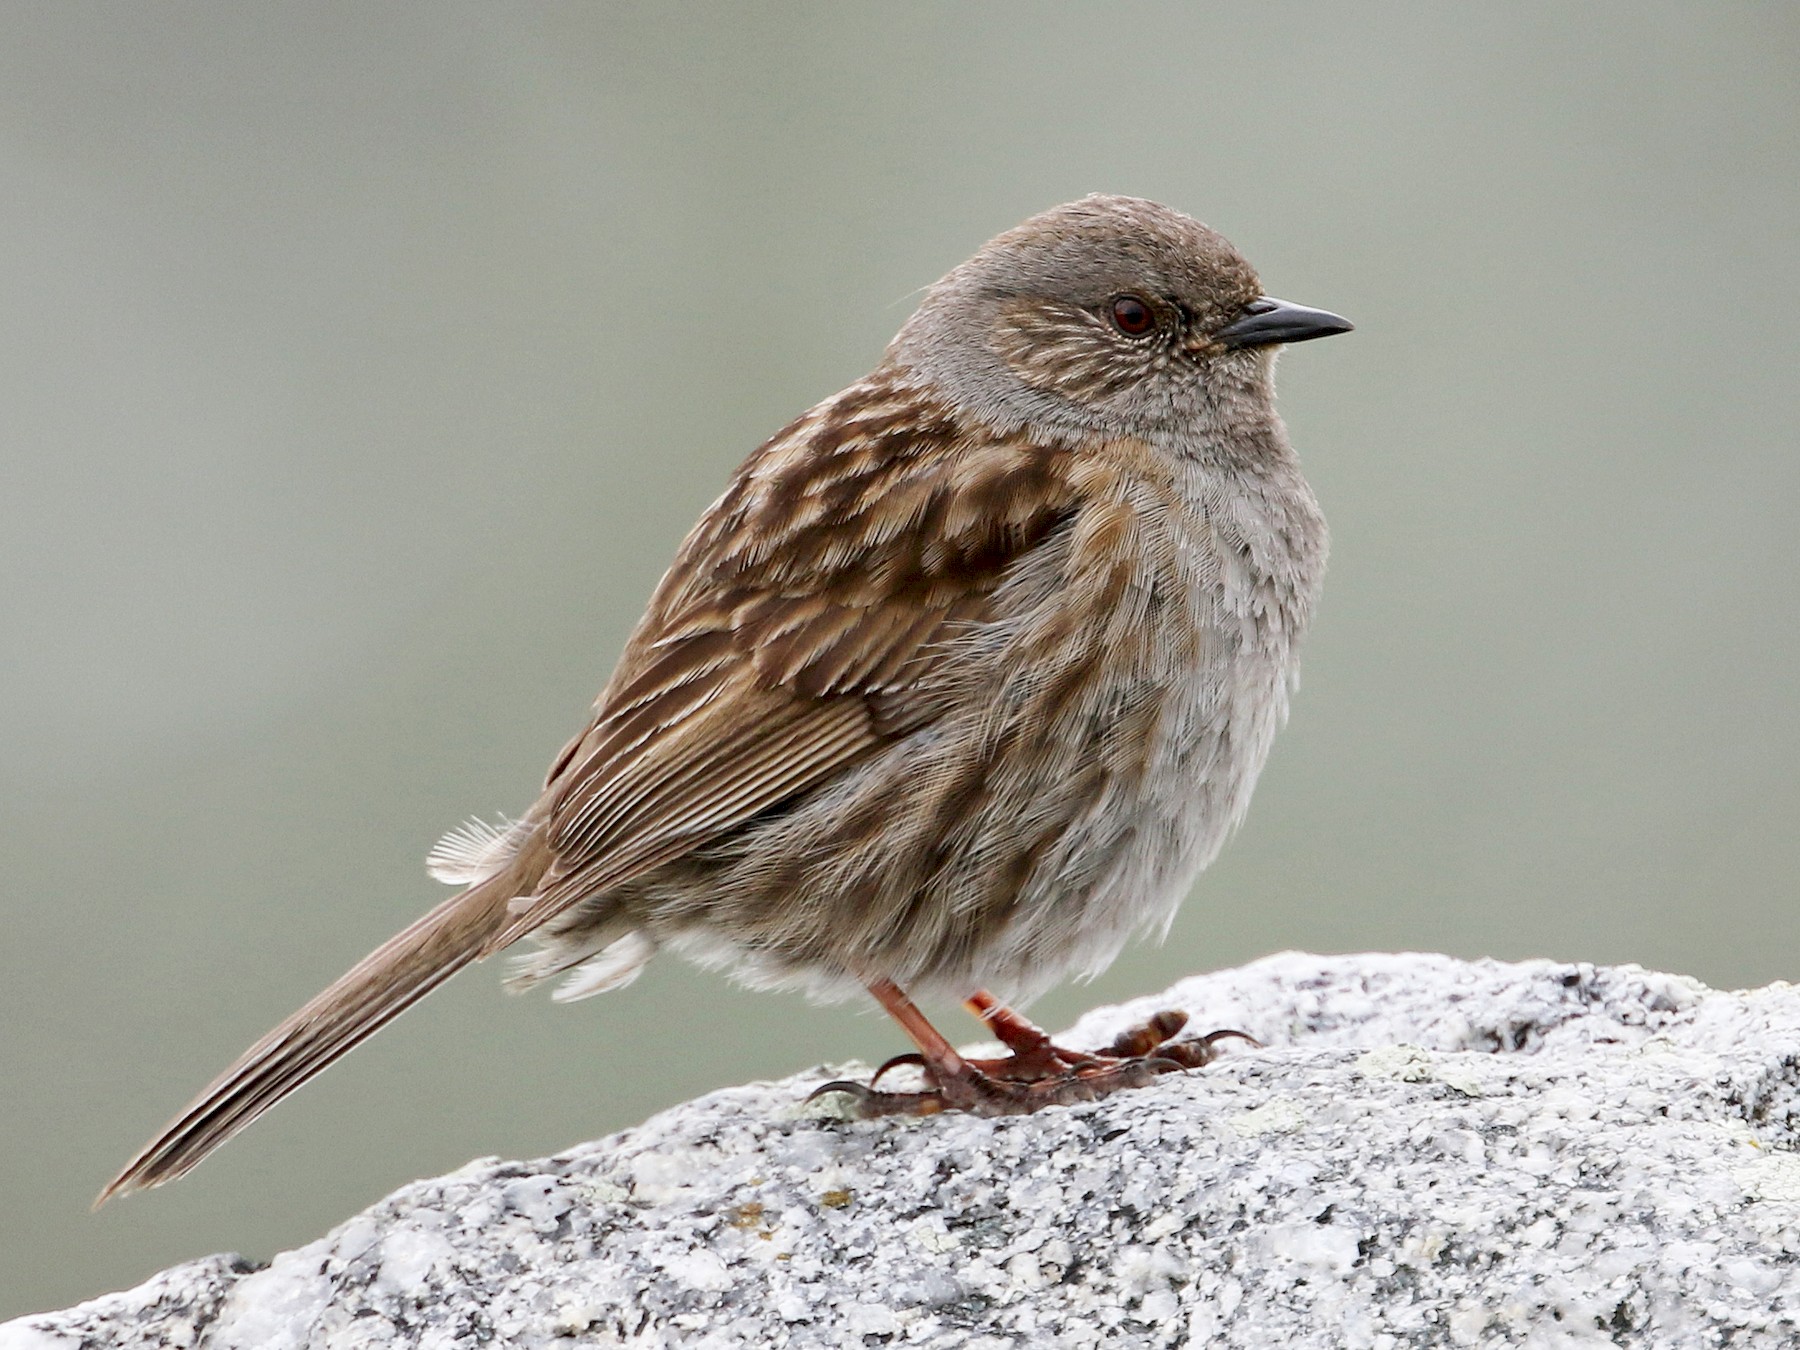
961, 682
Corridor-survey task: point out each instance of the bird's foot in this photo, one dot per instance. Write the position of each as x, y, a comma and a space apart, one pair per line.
1036, 1072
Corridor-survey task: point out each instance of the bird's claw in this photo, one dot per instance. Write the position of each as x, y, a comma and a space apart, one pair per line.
911, 1057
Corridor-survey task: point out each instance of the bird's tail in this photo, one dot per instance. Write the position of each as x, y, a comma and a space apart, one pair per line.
380, 987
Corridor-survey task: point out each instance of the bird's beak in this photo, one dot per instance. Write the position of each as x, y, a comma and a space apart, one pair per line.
1266, 321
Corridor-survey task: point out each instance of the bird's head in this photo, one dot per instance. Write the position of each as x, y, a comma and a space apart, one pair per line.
1110, 315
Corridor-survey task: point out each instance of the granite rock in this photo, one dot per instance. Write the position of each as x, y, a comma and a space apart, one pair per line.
1426, 1152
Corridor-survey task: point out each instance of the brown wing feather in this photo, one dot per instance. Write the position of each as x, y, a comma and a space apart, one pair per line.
783, 643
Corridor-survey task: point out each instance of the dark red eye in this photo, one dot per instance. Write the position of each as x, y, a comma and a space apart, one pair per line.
1132, 315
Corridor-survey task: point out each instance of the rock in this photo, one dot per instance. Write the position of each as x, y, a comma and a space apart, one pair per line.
1429, 1152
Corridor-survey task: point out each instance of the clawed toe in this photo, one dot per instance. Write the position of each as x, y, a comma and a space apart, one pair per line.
1196, 1052
868, 1104
1156, 1039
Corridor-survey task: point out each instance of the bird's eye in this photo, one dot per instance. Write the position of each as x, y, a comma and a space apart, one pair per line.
1132, 315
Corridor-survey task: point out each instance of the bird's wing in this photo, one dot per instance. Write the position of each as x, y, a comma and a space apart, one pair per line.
803, 625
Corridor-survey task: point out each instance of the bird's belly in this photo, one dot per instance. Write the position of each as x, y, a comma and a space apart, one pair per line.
950, 863
1153, 835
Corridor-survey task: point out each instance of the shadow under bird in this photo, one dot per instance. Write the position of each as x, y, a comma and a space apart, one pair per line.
959, 684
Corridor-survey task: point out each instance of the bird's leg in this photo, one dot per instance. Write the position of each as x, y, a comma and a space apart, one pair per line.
1033, 1056
936, 1057
1035, 1074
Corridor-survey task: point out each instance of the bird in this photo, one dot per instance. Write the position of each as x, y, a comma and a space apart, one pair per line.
956, 688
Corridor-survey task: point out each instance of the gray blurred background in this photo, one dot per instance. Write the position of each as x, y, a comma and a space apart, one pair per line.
360, 367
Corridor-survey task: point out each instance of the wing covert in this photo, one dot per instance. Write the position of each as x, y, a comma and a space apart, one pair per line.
803, 626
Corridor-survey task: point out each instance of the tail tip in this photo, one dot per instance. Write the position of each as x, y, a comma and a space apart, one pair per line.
136, 1177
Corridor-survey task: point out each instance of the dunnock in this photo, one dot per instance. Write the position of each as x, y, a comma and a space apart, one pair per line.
961, 682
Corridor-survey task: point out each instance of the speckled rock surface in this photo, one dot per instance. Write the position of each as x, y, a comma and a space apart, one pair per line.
1429, 1153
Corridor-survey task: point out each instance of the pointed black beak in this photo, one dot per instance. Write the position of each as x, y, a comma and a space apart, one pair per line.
1268, 320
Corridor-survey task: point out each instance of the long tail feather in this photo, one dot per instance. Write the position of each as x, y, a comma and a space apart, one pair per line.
380, 987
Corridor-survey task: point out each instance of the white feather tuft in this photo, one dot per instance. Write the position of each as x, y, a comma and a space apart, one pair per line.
621, 963
472, 852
